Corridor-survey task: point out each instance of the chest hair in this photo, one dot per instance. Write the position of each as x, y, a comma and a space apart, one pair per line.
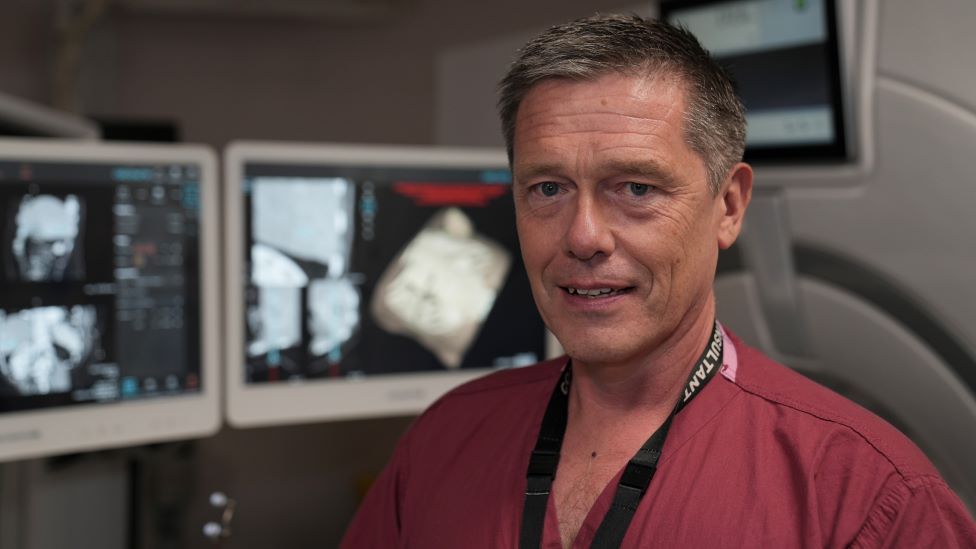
579, 482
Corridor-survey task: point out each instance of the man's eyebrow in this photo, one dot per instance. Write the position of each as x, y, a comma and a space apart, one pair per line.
647, 169
535, 170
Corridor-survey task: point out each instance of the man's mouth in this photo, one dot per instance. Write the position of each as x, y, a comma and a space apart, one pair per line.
594, 293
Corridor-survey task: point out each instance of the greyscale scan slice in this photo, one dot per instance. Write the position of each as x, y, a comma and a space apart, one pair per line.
334, 314
302, 220
46, 230
275, 320
40, 347
310, 220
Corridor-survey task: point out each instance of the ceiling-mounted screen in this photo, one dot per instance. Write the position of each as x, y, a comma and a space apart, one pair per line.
108, 295
784, 56
368, 280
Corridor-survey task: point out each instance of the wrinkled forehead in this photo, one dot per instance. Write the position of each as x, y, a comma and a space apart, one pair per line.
611, 107
653, 87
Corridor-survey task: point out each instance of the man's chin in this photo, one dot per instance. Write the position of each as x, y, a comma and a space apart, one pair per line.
596, 353
609, 346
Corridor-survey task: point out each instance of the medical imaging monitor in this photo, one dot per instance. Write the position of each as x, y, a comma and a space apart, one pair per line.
367, 281
784, 56
108, 295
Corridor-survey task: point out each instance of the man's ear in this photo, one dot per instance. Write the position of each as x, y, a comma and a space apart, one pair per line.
735, 194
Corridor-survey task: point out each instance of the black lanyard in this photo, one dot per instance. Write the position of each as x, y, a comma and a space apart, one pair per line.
637, 474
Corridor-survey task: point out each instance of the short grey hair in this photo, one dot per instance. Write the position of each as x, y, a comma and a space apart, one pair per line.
586, 49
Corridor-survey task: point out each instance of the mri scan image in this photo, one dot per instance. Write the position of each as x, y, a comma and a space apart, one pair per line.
303, 231
334, 315
310, 220
45, 236
275, 321
40, 347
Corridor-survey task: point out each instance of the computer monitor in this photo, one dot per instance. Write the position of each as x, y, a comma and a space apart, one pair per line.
109, 295
367, 280
785, 58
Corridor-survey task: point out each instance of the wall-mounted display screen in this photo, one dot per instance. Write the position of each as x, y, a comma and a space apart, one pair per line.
386, 273
784, 57
100, 299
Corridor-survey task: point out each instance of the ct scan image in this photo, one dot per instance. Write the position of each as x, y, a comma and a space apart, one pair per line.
301, 302
43, 238
40, 348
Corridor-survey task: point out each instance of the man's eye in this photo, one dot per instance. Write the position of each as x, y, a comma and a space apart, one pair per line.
639, 189
548, 188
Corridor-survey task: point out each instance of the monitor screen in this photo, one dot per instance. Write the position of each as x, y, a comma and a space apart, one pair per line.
102, 299
372, 279
784, 57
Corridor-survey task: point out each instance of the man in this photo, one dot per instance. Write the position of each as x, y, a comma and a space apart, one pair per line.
625, 140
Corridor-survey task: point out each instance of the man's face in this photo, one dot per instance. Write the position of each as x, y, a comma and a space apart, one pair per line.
610, 200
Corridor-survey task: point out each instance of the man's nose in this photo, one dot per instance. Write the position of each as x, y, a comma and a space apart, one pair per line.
589, 234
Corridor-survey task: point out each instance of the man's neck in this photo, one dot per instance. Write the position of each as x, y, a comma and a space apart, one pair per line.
645, 388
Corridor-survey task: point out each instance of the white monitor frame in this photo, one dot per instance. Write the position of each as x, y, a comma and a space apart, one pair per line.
94, 426
264, 404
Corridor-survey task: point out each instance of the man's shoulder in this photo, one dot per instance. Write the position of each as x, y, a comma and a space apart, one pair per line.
819, 413
504, 405
866, 475
527, 378
500, 394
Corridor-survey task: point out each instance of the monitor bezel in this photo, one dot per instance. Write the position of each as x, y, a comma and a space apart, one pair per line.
265, 404
841, 150
94, 426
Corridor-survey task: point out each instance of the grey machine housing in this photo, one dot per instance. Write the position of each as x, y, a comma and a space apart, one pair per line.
860, 275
